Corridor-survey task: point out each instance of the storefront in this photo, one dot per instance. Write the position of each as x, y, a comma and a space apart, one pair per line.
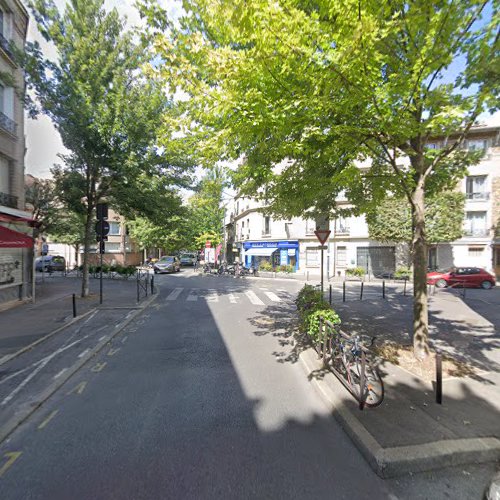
278, 253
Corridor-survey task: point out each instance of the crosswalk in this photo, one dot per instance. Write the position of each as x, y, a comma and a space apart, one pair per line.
256, 297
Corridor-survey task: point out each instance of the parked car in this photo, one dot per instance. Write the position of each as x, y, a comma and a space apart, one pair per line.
50, 263
167, 264
188, 259
462, 277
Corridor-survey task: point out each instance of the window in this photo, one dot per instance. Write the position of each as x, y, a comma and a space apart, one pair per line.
237, 207
341, 226
112, 247
312, 257
267, 225
341, 256
477, 144
114, 229
475, 187
475, 224
475, 251
4, 175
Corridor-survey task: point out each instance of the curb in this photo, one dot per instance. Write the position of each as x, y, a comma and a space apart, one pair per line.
26, 411
401, 460
9, 357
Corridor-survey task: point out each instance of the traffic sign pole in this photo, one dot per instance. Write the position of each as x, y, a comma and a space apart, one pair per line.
322, 235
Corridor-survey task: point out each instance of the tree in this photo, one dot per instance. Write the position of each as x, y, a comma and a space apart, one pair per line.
325, 84
444, 216
105, 108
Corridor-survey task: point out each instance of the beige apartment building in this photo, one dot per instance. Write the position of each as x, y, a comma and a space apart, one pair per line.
16, 244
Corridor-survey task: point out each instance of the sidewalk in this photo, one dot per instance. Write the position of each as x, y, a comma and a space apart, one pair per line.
26, 323
410, 432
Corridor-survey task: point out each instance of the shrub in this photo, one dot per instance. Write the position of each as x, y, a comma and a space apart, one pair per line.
307, 297
265, 266
286, 269
402, 273
313, 318
359, 272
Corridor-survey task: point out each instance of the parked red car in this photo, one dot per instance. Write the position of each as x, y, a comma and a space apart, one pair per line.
462, 277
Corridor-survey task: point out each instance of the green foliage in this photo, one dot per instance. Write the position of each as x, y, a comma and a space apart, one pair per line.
288, 268
266, 266
358, 272
391, 219
402, 273
313, 318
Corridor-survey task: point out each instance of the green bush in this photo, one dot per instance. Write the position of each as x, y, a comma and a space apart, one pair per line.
307, 297
265, 266
359, 272
286, 269
402, 273
312, 320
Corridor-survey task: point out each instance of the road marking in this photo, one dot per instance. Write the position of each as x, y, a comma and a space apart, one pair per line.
98, 367
273, 296
212, 296
124, 339
232, 298
90, 317
83, 353
12, 457
175, 293
192, 297
112, 352
78, 389
57, 375
48, 419
253, 298
102, 338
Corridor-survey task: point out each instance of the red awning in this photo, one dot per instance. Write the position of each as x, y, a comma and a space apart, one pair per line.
14, 239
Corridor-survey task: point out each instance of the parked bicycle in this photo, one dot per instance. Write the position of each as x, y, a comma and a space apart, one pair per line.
353, 365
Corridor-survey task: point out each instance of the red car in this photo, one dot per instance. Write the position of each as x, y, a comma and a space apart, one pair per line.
462, 277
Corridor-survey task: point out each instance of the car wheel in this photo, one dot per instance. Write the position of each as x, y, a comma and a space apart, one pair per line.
440, 283
486, 285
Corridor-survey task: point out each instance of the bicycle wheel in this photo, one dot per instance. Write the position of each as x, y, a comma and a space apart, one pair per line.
373, 390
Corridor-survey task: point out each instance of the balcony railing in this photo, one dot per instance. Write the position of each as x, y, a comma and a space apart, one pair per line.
8, 200
7, 124
478, 196
476, 233
5, 44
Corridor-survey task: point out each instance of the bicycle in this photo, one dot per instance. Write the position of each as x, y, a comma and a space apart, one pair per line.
350, 362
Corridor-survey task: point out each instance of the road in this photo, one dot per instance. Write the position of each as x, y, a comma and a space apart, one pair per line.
200, 397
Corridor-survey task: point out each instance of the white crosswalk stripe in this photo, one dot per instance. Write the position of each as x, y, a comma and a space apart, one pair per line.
175, 293
232, 298
253, 298
192, 297
273, 296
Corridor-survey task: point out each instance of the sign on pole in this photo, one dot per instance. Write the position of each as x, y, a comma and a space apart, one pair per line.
208, 244
322, 235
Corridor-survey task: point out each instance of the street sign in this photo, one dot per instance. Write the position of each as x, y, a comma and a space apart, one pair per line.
102, 211
102, 248
322, 235
208, 244
102, 228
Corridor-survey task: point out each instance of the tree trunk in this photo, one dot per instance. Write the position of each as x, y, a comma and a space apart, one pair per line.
420, 310
86, 251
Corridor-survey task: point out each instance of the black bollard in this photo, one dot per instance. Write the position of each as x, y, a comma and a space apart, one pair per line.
343, 292
361, 291
74, 306
383, 289
330, 294
439, 379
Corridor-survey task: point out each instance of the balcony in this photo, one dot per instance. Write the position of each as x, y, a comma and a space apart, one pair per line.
478, 196
7, 124
476, 233
8, 200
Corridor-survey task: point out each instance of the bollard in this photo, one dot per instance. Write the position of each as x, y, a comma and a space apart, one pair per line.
439, 379
138, 296
74, 306
330, 294
383, 289
152, 284
343, 292
146, 284
361, 291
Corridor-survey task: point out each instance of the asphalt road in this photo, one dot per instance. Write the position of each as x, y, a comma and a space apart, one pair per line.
200, 397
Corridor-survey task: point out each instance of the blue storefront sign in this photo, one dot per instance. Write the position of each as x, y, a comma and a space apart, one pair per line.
288, 253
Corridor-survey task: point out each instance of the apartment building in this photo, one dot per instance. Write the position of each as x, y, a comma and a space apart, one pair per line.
16, 244
254, 236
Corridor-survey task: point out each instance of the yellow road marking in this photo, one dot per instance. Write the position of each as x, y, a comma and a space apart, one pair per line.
112, 352
48, 419
12, 457
78, 389
98, 367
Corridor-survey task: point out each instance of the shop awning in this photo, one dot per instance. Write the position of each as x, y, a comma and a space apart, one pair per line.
261, 252
14, 239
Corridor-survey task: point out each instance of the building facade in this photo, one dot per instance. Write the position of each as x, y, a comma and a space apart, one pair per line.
16, 244
255, 236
